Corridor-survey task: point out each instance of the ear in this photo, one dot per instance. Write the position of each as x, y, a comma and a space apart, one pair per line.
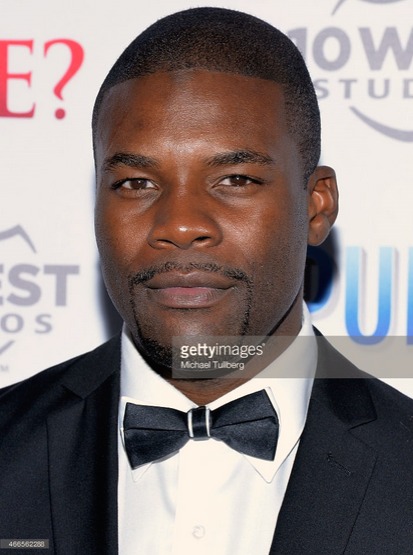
322, 204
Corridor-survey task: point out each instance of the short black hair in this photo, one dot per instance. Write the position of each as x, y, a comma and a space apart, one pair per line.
219, 39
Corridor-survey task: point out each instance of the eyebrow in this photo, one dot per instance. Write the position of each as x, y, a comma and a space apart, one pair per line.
129, 160
240, 157
229, 158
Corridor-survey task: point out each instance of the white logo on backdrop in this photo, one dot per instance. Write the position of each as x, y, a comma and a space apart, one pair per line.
341, 2
16, 231
27, 285
403, 57
367, 65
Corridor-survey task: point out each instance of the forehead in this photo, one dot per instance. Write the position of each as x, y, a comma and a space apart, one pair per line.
192, 104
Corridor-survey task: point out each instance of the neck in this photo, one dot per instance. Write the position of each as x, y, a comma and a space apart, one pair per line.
203, 391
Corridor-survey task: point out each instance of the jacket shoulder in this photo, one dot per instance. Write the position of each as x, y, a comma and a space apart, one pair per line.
81, 375
357, 398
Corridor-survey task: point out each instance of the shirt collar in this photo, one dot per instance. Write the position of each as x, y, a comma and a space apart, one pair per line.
290, 396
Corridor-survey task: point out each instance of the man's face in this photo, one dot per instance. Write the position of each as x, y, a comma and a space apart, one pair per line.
202, 214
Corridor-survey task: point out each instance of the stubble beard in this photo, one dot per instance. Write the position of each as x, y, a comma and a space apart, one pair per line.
159, 355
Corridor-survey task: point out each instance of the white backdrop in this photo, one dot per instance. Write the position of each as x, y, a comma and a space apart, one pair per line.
53, 57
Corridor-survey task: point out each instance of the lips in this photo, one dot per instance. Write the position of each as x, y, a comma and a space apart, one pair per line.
191, 290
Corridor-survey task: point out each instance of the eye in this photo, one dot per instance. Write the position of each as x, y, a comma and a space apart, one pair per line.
134, 184
240, 181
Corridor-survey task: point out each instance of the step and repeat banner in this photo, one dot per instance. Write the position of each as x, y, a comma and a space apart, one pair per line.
53, 57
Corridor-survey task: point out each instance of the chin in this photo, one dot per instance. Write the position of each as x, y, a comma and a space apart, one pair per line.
158, 356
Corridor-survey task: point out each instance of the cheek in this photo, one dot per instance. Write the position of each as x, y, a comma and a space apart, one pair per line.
106, 236
115, 257
277, 226
277, 240
115, 236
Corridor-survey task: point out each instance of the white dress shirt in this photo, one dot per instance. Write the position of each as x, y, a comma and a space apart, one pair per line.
208, 499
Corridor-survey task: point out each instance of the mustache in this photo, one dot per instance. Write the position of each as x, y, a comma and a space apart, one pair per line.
162, 268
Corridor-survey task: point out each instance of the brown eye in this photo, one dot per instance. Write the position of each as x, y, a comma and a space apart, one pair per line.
239, 181
134, 184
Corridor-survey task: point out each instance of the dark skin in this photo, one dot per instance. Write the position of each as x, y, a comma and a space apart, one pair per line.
202, 214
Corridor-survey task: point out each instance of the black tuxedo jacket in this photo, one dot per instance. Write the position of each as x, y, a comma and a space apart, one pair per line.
350, 492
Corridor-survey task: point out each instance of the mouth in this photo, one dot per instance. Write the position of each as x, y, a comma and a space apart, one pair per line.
194, 290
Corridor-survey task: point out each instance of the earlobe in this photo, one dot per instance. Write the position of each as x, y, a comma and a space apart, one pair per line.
322, 204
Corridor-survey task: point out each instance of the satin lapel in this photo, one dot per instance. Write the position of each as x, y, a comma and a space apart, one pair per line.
332, 469
83, 457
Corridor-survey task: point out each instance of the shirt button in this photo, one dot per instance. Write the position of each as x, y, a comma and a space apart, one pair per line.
198, 532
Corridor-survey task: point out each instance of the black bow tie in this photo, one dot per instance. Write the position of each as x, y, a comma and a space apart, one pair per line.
248, 425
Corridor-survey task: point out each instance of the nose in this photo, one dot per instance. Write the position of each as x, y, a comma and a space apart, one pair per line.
184, 222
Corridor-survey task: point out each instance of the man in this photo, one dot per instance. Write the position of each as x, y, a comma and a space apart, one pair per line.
207, 140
